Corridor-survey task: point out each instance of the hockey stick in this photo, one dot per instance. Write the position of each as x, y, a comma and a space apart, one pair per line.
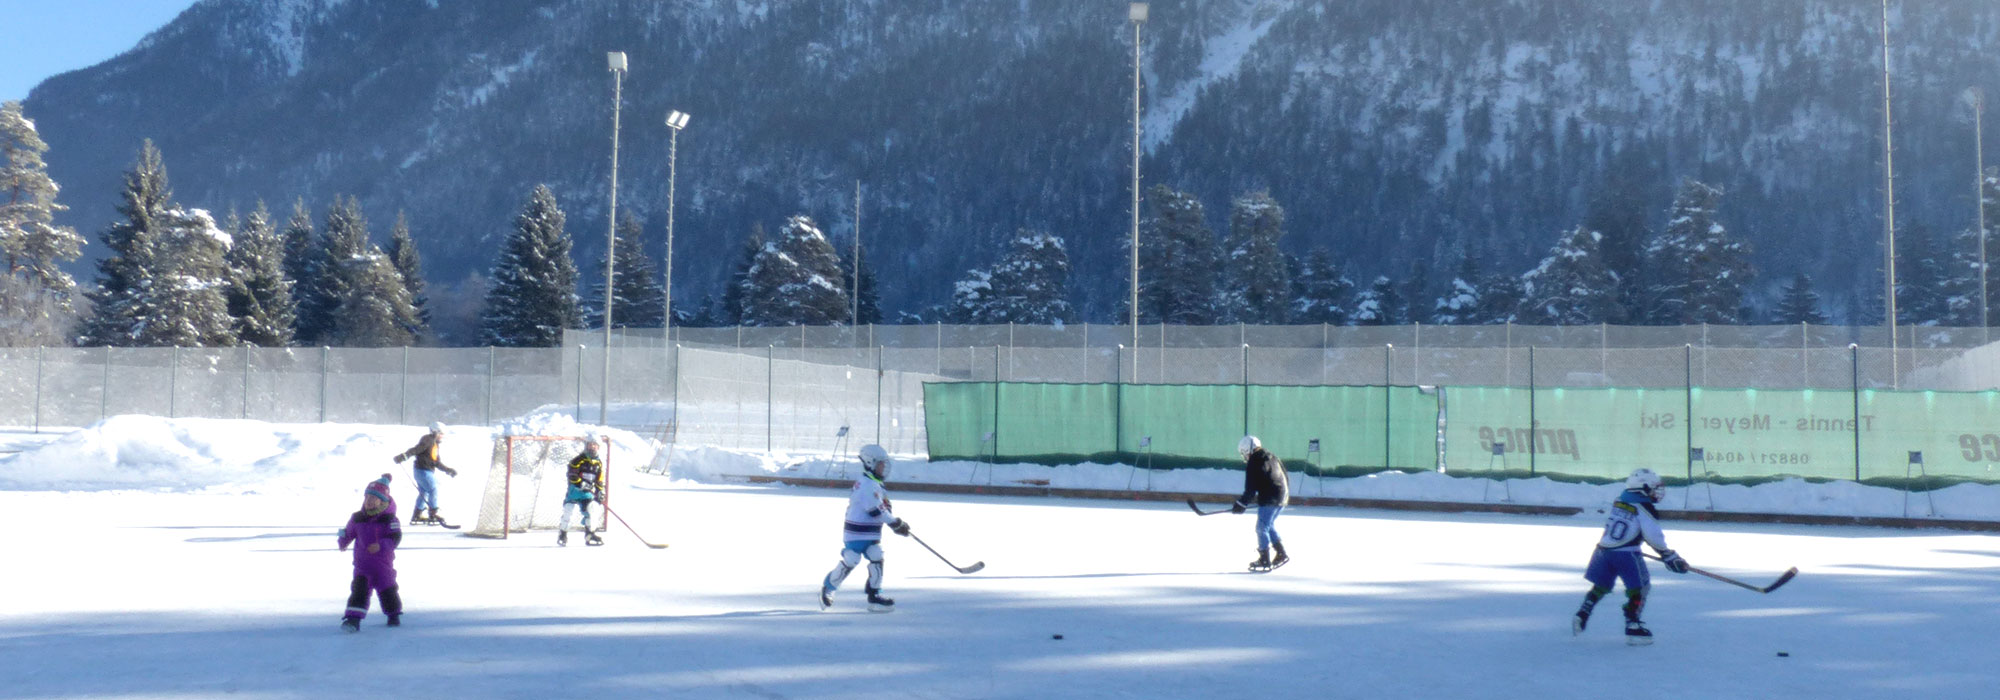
1782, 578
628, 527
1199, 511
976, 566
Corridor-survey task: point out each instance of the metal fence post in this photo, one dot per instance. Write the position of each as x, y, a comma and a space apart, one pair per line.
770, 391
491, 356
325, 355
173, 377
878, 393
1388, 379
677, 393
38, 388
580, 348
1531, 412
1687, 371
104, 388
1854, 369
246, 382
403, 394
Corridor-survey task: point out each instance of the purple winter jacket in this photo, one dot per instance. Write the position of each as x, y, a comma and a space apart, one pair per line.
381, 528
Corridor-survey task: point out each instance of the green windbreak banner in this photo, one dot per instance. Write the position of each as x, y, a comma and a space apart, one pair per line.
1740, 434
1163, 425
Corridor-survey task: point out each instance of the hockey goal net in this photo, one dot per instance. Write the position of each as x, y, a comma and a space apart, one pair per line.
527, 480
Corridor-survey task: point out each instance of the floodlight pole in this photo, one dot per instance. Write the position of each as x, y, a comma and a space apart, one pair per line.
1978, 98
1139, 11
616, 62
1889, 204
676, 120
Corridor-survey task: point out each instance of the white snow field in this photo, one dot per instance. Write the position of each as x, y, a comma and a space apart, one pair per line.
150, 558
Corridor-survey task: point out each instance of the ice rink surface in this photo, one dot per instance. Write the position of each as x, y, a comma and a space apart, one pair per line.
193, 593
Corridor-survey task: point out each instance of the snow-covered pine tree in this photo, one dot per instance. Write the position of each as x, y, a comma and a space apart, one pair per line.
1256, 284
31, 245
1698, 273
1031, 282
533, 294
870, 308
310, 322
1321, 293
1381, 304
375, 309
403, 254
972, 298
1459, 305
130, 244
162, 284
1571, 286
795, 280
1799, 303
737, 289
259, 296
1177, 262
637, 300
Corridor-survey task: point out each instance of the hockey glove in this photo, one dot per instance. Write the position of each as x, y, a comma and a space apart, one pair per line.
448, 471
899, 527
1674, 561
1238, 507
401, 457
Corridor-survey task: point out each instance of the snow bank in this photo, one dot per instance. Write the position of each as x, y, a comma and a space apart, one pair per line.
240, 456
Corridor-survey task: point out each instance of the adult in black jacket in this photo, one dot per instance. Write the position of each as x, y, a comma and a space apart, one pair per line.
1264, 485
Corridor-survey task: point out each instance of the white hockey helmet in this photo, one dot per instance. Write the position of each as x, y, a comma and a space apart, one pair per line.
875, 460
437, 427
1247, 445
1645, 481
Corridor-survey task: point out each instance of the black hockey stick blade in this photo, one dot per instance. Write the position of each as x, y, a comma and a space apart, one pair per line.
628, 528
1198, 511
975, 567
1782, 578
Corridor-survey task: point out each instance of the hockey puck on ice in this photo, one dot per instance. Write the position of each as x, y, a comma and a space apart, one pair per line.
1784, 654
1056, 637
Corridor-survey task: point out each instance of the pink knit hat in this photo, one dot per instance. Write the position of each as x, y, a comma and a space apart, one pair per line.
379, 488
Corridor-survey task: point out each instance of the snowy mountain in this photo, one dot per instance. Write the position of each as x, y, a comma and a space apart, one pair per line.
1393, 133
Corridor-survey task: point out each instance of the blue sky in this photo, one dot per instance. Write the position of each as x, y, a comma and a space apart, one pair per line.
47, 37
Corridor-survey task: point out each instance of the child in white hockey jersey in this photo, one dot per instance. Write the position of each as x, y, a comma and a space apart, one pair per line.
1617, 557
867, 511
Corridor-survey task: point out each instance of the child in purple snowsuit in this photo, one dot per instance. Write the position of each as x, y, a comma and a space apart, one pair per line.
374, 532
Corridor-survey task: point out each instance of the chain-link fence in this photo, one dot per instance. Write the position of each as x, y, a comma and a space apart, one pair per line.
796, 388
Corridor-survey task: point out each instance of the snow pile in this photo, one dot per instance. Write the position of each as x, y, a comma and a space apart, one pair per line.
240, 456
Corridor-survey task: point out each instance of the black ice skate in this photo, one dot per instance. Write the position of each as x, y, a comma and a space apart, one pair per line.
591, 538
1278, 549
395, 620
348, 624
562, 538
1263, 562
1637, 635
877, 603
825, 597
1580, 620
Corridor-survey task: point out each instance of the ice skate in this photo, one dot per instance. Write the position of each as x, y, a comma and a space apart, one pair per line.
562, 538
1280, 559
395, 621
591, 538
349, 624
825, 597
1578, 621
878, 603
1263, 562
1637, 635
